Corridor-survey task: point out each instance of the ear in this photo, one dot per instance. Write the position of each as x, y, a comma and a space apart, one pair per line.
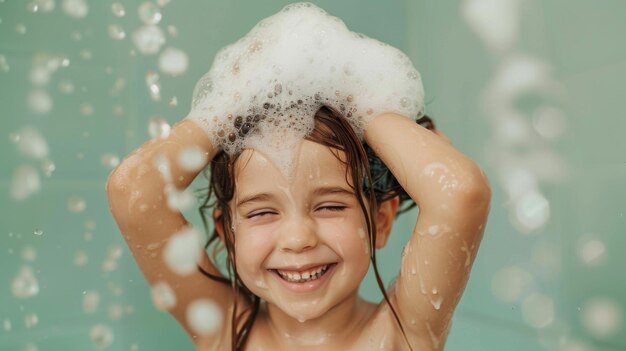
384, 220
217, 222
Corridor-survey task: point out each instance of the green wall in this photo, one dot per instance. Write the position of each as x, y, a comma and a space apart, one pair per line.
581, 41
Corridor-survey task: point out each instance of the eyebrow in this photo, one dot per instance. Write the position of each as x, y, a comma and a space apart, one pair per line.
327, 190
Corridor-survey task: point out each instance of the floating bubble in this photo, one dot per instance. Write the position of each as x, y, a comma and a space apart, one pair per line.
80, 258
549, 122
75, 8
29, 254
163, 296
180, 200
152, 81
4, 64
118, 9
66, 87
149, 13
192, 159
172, 30
183, 251
148, 39
86, 109
110, 160
509, 283
91, 300
48, 167
25, 182
162, 2
101, 335
204, 316
496, 22
43, 5
173, 61
158, 128
30, 347
116, 32
115, 311
39, 101
20, 28
38, 232
173, 101
115, 252
31, 320
31, 143
592, 252
76, 204
538, 310
601, 317
25, 284
85, 55
532, 211
6, 324
109, 265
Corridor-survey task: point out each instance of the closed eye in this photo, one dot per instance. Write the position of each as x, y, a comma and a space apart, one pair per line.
261, 214
332, 208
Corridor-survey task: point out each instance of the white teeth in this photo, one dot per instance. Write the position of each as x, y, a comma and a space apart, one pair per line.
305, 276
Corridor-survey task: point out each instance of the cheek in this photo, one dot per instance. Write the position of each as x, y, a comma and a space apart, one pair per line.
348, 239
252, 247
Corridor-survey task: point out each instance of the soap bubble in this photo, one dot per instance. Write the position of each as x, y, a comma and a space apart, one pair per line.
148, 39
4, 64
76, 204
41, 5
183, 251
532, 211
116, 32
39, 101
110, 160
592, 252
31, 320
80, 258
25, 182
538, 310
204, 316
163, 296
29, 254
173, 61
115, 311
31, 143
152, 82
149, 13
101, 335
158, 128
118, 9
192, 158
20, 28
47, 167
601, 317
509, 283
91, 300
38, 232
25, 284
75, 8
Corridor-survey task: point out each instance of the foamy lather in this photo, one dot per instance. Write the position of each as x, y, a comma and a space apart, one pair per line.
262, 91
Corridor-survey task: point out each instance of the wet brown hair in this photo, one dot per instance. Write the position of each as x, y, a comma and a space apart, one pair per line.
333, 130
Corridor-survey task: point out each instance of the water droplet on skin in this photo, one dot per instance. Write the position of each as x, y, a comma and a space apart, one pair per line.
437, 302
101, 335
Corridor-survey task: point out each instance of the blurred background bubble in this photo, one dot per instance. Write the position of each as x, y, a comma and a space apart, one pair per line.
531, 90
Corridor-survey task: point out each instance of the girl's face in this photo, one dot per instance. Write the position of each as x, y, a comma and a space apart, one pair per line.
301, 244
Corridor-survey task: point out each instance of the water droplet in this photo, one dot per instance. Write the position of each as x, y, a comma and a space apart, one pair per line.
538, 310
601, 317
158, 128
118, 9
66, 86
25, 285
29, 254
163, 296
6, 324
38, 232
39, 101
4, 64
116, 32
173, 101
204, 316
149, 13
101, 335
75, 8
173, 61
80, 258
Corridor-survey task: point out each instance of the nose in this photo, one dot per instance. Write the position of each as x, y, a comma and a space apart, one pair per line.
297, 235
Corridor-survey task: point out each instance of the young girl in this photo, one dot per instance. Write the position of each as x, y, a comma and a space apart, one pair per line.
299, 245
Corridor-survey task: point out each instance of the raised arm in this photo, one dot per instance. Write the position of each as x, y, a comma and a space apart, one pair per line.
138, 202
453, 197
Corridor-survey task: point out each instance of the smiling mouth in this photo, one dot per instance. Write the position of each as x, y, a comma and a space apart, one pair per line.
303, 277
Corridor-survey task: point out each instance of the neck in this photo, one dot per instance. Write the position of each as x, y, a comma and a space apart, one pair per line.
336, 325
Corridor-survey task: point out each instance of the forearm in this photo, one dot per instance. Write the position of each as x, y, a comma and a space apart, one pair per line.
136, 187
427, 166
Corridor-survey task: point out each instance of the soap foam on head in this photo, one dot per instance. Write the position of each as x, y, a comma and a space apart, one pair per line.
262, 91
